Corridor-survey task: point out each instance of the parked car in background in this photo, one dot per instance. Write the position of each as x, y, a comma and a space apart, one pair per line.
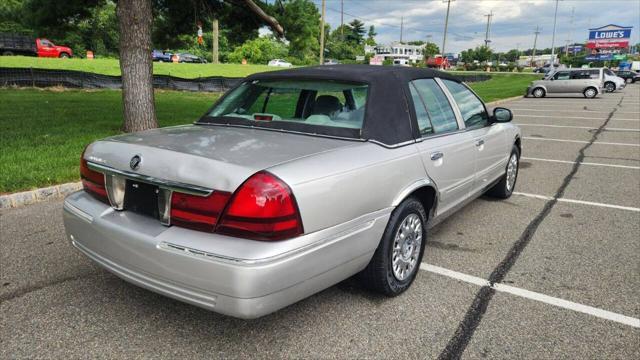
331, 62
161, 56
612, 82
190, 58
629, 76
545, 69
588, 82
279, 63
294, 181
15, 44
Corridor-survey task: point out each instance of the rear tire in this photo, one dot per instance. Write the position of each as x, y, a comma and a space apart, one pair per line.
538, 92
7, 53
628, 81
609, 86
504, 188
397, 259
590, 93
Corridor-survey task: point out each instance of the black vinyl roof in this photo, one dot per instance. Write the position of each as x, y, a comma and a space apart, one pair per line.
389, 117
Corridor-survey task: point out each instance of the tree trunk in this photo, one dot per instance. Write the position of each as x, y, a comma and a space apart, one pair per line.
135, 20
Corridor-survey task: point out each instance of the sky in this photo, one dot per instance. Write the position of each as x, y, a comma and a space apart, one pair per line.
513, 21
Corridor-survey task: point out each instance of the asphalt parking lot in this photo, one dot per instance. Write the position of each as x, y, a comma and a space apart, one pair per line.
553, 272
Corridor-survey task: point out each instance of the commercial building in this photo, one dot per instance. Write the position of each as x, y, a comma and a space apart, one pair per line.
399, 53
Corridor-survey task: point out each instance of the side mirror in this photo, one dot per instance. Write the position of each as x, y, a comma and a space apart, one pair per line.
502, 115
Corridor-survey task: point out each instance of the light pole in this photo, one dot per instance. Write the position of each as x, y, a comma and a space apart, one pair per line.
322, 34
553, 37
446, 23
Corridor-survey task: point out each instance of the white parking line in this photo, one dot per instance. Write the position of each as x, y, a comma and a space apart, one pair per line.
583, 163
580, 141
581, 202
575, 110
577, 127
565, 304
568, 117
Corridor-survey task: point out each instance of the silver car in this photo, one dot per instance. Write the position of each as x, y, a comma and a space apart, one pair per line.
588, 82
293, 181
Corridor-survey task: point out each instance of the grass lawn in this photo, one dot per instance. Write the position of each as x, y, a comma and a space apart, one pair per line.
112, 67
502, 86
43, 132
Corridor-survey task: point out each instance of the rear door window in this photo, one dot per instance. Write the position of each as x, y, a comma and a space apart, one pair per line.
433, 110
562, 75
473, 111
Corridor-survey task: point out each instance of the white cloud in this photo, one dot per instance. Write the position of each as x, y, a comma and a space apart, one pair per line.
513, 22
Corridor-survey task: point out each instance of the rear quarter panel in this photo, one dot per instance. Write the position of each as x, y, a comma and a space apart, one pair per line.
337, 186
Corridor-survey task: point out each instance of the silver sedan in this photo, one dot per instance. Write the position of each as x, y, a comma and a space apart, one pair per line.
293, 181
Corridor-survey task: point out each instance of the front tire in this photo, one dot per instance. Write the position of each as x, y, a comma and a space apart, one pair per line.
538, 93
397, 259
609, 86
590, 93
64, 55
504, 188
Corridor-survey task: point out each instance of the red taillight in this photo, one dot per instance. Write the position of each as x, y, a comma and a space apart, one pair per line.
198, 212
263, 208
92, 181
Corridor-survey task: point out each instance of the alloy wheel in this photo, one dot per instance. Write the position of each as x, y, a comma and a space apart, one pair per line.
512, 172
406, 247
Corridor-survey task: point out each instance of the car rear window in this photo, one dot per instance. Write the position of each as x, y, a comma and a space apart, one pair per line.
323, 103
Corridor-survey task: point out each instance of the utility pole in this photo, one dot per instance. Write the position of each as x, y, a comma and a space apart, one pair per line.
401, 27
322, 34
446, 23
535, 41
553, 36
342, 20
215, 57
566, 49
486, 36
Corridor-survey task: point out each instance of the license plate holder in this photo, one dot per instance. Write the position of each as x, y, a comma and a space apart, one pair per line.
141, 198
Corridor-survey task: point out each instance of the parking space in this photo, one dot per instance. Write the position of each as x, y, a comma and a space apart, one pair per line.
566, 271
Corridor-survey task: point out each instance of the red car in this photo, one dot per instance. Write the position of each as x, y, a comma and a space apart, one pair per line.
46, 48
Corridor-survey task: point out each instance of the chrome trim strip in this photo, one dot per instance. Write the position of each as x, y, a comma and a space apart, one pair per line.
164, 184
77, 212
204, 255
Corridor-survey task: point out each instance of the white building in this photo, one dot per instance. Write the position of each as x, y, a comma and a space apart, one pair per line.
538, 60
399, 53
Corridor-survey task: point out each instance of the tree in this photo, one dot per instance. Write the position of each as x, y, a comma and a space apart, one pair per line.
301, 22
371, 36
135, 19
431, 49
356, 35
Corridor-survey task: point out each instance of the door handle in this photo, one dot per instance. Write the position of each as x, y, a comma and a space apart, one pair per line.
480, 142
436, 155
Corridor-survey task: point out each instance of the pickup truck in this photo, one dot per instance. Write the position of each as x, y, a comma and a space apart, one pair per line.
14, 44
438, 62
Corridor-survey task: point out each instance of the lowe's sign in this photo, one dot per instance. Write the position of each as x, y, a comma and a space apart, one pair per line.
609, 36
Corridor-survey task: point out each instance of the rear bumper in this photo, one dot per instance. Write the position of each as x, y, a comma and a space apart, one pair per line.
206, 269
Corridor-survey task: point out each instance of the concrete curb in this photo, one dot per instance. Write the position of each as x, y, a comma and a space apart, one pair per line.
33, 196
501, 101
59, 191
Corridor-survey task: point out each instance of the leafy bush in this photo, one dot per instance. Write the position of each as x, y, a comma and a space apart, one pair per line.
259, 51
